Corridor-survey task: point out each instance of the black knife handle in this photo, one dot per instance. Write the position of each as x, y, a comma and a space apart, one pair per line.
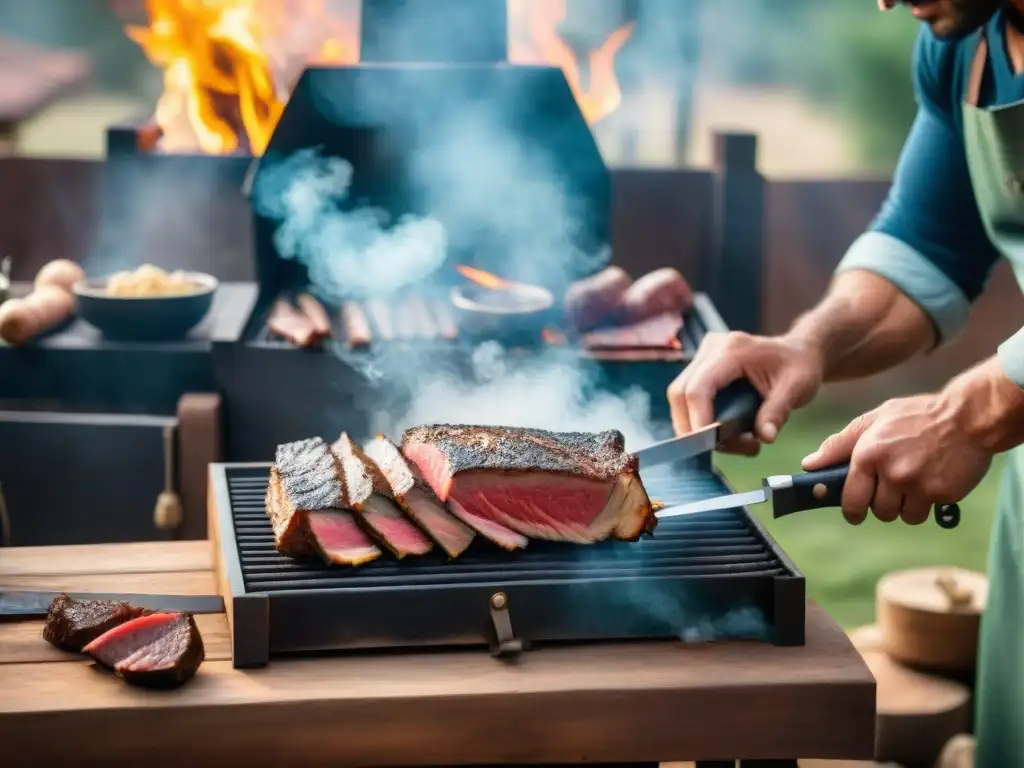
823, 488
737, 405
820, 489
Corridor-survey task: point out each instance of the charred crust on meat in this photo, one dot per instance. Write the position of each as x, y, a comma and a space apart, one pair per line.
596, 455
72, 624
309, 476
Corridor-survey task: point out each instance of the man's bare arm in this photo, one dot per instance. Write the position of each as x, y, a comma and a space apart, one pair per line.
863, 326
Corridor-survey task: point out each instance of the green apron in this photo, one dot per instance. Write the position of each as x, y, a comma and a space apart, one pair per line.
994, 140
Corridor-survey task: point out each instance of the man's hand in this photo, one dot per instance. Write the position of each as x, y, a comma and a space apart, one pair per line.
914, 452
904, 456
786, 372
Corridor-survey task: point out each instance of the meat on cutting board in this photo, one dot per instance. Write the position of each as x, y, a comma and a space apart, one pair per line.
417, 499
160, 650
562, 486
366, 494
305, 504
72, 624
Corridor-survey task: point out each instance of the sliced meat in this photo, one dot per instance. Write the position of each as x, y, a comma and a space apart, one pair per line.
339, 538
291, 324
72, 624
305, 478
657, 292
392, 528
366, 493
160, 650
490, 530
360, 476
596, 300
562, 486
417, 499
660, 332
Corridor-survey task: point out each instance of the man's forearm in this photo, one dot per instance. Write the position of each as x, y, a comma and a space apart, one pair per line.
987, 405
863, 326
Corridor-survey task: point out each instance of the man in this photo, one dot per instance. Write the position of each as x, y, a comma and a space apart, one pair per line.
956, 206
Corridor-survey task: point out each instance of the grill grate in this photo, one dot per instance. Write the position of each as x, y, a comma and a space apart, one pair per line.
707, 568
713, 544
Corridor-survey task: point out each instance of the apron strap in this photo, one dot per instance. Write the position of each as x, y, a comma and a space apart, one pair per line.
977, 72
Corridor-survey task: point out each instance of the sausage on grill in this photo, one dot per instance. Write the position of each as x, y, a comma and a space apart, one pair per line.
316, 314
292, 325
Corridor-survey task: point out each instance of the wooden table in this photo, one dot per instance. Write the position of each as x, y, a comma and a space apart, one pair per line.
639, 702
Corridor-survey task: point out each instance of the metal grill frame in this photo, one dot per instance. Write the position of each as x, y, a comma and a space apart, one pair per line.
265, 624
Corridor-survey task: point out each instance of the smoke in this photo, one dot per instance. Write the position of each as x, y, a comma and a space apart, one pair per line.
178, 212
547, 391
484, 196
348, 253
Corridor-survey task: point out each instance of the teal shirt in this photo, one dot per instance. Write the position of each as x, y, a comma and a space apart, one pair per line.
928, 239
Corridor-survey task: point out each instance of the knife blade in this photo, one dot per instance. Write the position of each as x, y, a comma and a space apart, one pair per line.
789, 494
34, 603
736, 408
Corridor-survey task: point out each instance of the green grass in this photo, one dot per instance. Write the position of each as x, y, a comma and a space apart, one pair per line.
842, 563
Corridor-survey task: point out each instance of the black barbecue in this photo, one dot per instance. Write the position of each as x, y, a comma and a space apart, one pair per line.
720, 574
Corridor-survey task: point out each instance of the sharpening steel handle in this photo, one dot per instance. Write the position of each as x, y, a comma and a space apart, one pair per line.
823, 489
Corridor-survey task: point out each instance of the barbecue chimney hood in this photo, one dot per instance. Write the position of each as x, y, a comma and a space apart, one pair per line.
421, 133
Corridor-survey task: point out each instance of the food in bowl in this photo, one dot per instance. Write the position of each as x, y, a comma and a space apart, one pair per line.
151, 282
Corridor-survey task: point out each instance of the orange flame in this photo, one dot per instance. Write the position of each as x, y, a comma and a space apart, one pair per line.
602, 94
220, 68
486, 279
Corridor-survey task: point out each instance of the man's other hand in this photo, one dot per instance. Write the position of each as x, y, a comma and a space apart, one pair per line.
905, 456
786, 372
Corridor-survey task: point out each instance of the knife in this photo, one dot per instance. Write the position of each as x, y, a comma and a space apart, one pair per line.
736, 408
789, 494
29, 604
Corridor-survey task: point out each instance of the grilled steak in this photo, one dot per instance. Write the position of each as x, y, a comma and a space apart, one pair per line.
561, 486
305, 478
417, 499
159, 650
72, 624
366, 493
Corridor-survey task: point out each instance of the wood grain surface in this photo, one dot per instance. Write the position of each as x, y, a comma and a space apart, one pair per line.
593, 703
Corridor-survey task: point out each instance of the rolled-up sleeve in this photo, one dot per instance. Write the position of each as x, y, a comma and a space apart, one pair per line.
1011, 357
929, 240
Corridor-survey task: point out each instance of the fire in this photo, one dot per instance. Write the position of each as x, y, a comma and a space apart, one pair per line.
486, 279
601, 95
222, 62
